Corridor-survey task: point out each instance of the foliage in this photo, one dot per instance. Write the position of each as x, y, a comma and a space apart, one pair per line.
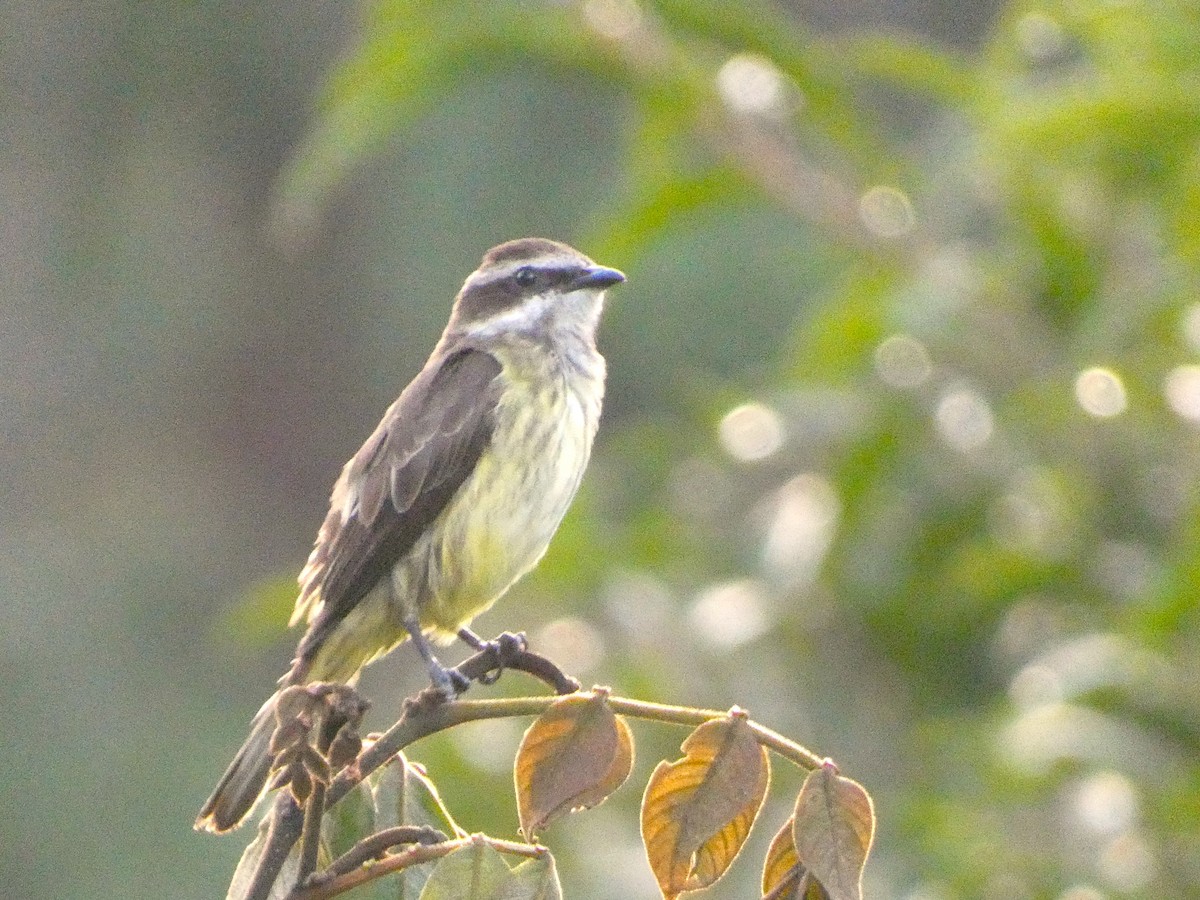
368, 813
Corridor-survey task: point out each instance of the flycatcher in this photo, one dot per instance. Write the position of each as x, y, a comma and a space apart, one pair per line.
459, 489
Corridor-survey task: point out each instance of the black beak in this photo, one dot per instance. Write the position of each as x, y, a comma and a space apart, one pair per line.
596, 278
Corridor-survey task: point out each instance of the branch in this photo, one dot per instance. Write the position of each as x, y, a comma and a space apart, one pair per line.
428, 714
287, 820
479, 665
413, 856
685, 715
423, 715
374, 846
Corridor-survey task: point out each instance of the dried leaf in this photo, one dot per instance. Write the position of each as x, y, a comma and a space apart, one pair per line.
781, 865
475, 872
572, 757
301, 783
833, 827
345, 747
315, 764
698, 810
784, 876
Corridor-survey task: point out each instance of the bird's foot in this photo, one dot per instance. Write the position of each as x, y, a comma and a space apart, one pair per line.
445, 684
449, 683
504, 648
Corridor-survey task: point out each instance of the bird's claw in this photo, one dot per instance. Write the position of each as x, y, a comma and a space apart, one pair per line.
449, 683
503, 648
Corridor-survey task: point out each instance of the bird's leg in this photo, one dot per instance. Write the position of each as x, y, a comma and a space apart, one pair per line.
503, 648
448, 682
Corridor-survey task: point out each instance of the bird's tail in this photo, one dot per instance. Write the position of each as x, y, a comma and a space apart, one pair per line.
242, 784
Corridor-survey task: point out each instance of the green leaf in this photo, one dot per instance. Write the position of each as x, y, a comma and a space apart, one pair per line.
537, 879
348, 821
410, 55
475, 872
913, 65
402, 794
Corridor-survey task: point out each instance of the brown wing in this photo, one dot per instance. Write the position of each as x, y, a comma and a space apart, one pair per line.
396, 485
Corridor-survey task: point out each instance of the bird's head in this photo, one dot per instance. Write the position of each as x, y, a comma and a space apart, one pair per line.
533, 287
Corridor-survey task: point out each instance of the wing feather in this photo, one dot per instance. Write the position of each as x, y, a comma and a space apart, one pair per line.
397, 484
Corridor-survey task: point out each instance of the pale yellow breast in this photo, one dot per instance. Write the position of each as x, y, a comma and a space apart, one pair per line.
501, 522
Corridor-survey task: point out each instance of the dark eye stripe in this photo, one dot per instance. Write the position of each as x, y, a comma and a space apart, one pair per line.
484, 299
490, 296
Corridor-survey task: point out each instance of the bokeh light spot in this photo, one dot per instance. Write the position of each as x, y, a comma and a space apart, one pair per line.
752, 85
1100, 392
615, 19
902, 361
964, 419
1035, 685
488, 745
1191, 326
751, 432
575, 645
1033, 516
802, 528
730, 614
1106, 803
886, 211
1181, 387
1040, 36
640, 605
1127, 863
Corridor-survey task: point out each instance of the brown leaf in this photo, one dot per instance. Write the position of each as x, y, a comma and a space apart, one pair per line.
833, 827
784, 876
344, 748
697, 811
782, 865
572, 757
316, 764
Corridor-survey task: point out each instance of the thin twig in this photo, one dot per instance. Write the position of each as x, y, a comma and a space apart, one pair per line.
375, 845
683, 715
413, 856
310, 834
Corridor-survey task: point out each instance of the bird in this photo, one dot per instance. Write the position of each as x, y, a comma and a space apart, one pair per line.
458, 491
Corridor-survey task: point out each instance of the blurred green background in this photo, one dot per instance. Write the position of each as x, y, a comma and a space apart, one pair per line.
900, 452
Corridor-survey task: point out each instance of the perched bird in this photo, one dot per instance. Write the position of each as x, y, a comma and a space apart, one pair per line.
459, 489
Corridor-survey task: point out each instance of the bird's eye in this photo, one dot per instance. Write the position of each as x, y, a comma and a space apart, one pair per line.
525, 277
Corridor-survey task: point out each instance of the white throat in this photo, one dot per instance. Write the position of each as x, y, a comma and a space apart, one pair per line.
552, 316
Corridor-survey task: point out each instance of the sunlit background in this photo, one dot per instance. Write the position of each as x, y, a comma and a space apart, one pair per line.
900, 452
